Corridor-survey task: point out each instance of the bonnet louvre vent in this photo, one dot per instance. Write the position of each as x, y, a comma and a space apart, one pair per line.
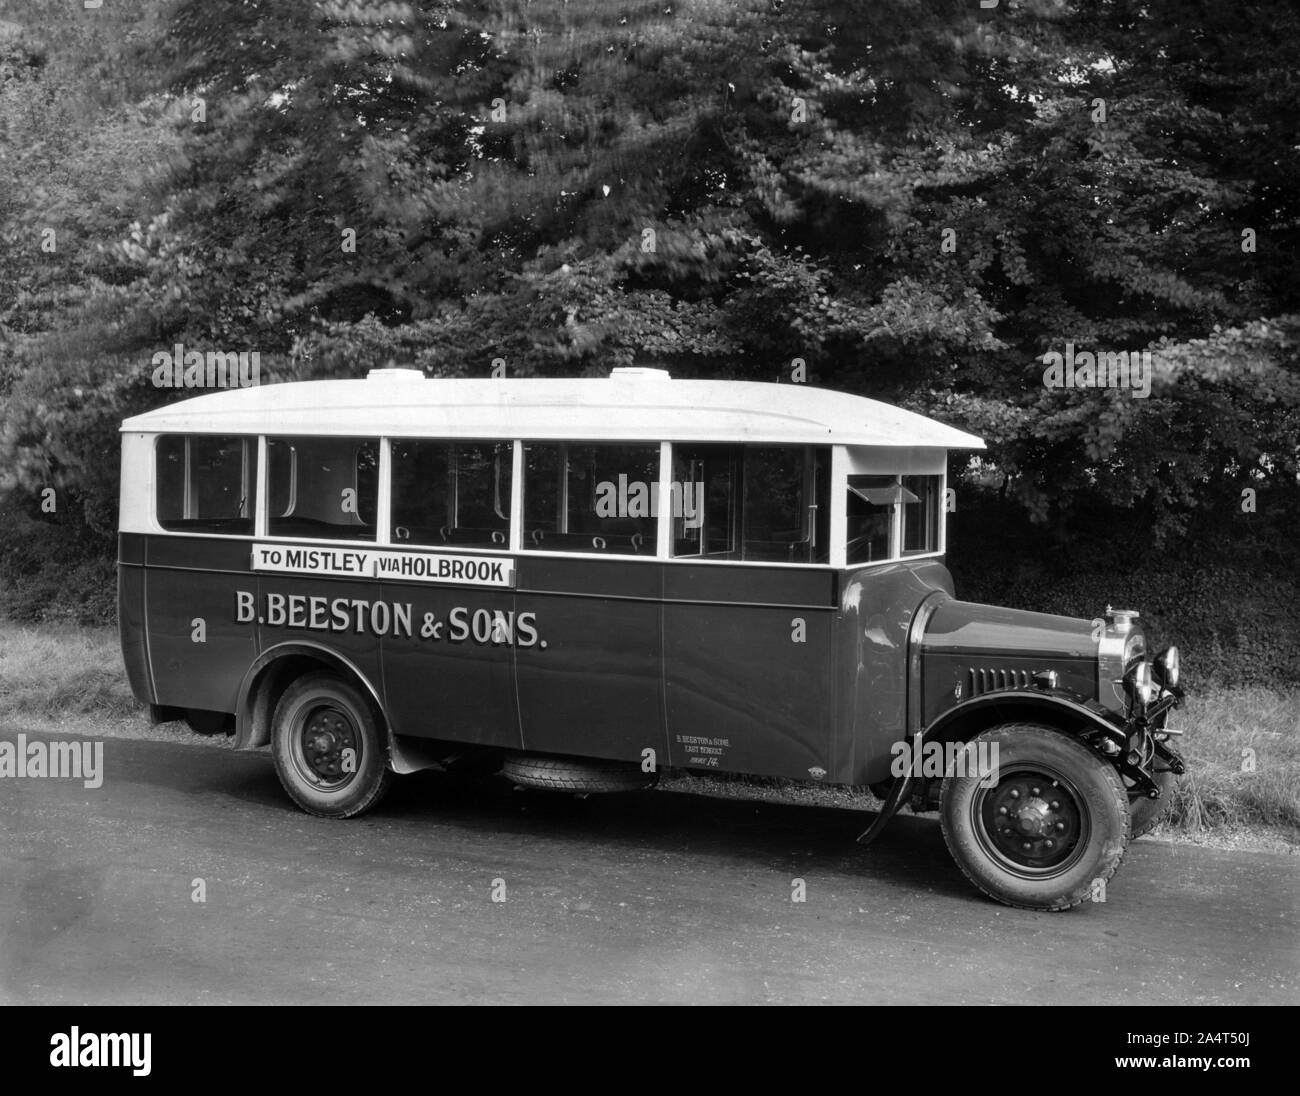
987, 681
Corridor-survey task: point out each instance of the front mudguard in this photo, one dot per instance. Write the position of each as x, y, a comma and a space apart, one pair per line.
898, 792
1129, 745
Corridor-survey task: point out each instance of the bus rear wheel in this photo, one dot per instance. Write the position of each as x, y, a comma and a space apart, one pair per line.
328, 750
1046, 829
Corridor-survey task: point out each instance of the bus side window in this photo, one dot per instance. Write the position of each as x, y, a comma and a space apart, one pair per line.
785, 509
205, 483
447, 493
753, 503
591, 498
328, 487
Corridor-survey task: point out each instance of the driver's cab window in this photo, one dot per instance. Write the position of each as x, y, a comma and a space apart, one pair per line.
890, 517
922, 514
871, 509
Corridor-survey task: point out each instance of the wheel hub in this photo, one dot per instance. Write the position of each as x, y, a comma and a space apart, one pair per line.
1032, 820
1033, 817
327, 734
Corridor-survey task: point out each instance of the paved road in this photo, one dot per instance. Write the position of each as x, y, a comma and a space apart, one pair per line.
634, 898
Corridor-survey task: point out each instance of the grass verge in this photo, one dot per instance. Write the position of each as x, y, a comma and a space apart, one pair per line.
54, 670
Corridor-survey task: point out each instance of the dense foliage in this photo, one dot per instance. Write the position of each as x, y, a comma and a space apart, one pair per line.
917, 200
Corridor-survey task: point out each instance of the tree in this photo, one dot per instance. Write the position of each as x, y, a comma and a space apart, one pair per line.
917, 201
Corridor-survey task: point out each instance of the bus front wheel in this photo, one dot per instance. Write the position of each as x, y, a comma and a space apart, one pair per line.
328, 749
1045, 827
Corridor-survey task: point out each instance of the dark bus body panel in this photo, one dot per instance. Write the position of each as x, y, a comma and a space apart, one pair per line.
591, 684
450, 687
131, 616
726, 714
878, 608
748, 683
197, 655
669, 664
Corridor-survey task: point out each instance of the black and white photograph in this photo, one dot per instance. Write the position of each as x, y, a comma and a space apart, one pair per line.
567, 503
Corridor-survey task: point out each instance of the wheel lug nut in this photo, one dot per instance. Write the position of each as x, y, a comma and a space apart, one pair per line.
1033, 791
1060, 825
1002, 810
1026, 846
1015, 793
1050, 843
1056, 804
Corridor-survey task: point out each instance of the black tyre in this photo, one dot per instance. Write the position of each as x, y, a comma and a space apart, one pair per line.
1149, 813
328, 748
208, 723
577, 775
1051, 830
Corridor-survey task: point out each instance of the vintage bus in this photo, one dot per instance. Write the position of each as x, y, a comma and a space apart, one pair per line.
583, 583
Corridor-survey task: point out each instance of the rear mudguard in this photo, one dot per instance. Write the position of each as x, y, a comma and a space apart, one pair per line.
253, 716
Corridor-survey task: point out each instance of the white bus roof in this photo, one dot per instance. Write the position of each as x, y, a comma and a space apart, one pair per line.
629, 405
